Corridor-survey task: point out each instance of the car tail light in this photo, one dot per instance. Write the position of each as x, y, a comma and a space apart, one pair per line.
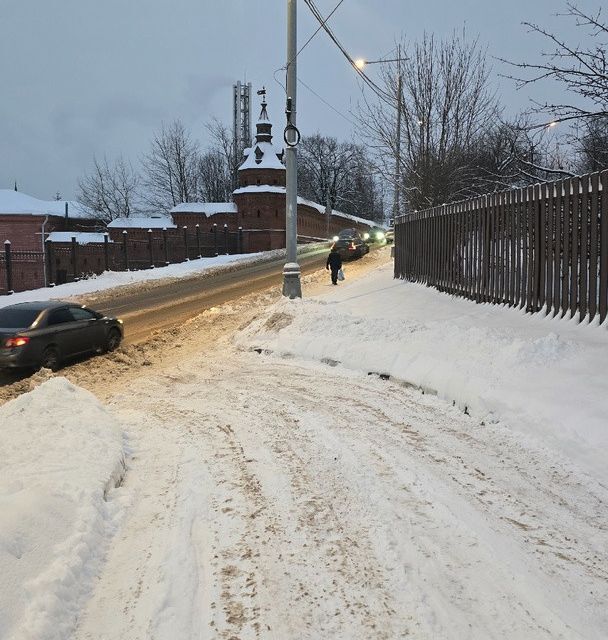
351, 246
16, 341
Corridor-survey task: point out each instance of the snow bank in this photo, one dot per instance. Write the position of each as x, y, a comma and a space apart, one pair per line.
113, 279
541, 376
60, 452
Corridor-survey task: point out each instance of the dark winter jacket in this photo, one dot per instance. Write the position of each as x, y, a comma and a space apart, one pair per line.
334, 261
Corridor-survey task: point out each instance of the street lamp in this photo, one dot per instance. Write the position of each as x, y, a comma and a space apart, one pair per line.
360, 64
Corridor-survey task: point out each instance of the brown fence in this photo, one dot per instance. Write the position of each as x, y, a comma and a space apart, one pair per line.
539, 247
69, 261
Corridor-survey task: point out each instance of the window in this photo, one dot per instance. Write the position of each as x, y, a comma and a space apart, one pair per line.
259, 214
81, 314
60, 316
18, 318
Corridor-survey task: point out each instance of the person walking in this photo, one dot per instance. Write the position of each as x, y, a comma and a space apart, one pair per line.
334, 262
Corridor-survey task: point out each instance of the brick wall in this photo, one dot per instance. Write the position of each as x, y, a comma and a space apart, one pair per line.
273, 177
26, 275
25, 231
205, 223
267, 211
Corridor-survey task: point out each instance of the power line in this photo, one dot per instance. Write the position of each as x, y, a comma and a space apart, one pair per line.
319, 28
383, 95
305, 45
327, 103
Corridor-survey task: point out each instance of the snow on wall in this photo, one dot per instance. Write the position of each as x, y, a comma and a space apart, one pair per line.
208, 208
81, 237
155, 222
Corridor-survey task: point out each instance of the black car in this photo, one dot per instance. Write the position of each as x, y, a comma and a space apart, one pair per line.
350, 244
375, 234
44, 334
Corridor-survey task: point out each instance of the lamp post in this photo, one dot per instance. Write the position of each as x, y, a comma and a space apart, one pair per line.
292, 287
360, 63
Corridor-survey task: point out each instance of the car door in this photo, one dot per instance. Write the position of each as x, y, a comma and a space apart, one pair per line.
91, 329
63, 330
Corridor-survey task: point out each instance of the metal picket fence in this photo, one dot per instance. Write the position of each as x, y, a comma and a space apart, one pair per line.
542, 247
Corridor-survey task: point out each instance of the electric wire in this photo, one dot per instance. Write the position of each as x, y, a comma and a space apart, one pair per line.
327, 103
319, 28
383, 95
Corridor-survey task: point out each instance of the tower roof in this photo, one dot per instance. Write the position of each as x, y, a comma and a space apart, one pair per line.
262, 155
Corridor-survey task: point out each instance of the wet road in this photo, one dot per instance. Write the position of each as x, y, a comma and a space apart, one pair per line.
160, 307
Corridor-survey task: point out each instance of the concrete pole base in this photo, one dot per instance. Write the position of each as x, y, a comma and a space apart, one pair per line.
292, 287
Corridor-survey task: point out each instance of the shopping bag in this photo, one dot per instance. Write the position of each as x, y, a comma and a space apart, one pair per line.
340, 275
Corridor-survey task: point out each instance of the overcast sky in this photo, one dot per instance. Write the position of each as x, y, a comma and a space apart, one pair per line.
85, 78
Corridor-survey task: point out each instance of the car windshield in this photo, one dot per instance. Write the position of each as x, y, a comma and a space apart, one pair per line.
17, 318
347, 233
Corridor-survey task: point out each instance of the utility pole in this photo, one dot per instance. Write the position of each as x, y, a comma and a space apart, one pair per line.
292, 287
396, 200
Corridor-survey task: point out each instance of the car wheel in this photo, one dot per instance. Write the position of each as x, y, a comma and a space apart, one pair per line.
50, 359
113, 340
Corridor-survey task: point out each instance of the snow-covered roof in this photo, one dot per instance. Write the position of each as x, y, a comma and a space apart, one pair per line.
266, 188
81, 237
266, 153
15, 202
208, 208
155, 222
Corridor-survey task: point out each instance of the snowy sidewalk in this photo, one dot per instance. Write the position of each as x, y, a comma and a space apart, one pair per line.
276, 490
543, 377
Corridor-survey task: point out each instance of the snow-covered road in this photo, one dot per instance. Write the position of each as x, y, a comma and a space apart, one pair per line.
275, 490
279, 499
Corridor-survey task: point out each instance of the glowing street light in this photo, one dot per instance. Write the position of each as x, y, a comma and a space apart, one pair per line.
360, 63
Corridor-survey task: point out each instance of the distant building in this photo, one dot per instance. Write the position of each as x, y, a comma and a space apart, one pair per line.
26, 222
259, 201
40, 232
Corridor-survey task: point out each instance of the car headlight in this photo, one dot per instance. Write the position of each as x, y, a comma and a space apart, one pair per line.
335, 238
366, 236
380, 235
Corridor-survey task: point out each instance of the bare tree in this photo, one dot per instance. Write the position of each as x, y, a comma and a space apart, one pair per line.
111, 190
581, 69
338, 175
170, 168
592, 145
222, 143
323, 166
511, 155
447, 105
214, 182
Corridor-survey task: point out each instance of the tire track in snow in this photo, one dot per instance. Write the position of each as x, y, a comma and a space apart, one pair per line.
303, 501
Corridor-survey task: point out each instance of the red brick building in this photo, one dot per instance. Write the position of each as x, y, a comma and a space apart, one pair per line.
25, 223
259, 202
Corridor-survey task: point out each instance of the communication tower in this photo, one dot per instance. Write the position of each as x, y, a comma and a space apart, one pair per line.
241, 123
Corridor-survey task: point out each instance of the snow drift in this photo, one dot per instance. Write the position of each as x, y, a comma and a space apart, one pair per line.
61, 452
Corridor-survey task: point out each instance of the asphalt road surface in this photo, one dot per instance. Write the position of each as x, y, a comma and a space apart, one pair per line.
160, 307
